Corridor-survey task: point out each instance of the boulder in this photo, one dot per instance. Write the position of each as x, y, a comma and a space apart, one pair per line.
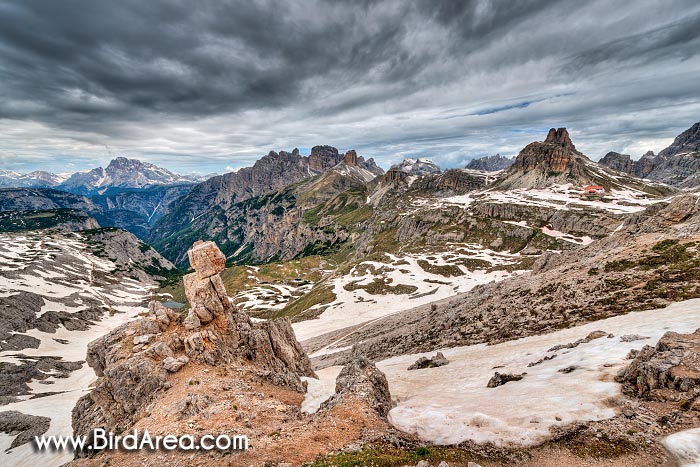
173, 365
499, 379
206, 259
362, 379
424, 362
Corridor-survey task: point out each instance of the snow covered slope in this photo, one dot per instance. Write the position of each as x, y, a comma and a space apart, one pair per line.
58, 292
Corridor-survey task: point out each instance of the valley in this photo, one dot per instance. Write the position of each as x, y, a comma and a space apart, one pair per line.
321, 279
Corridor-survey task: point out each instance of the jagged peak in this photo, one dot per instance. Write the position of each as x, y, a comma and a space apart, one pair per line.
559, 136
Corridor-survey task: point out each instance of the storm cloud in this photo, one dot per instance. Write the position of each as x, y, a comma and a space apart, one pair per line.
213, 85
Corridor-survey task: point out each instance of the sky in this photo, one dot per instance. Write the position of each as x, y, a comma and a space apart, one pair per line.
211, 86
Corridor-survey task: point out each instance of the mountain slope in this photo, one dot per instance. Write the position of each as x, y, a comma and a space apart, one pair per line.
41, 199
306, 217
213, 208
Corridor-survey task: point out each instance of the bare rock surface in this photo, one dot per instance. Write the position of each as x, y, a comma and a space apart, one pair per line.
135, 360
361, 379
24, 427
671, 367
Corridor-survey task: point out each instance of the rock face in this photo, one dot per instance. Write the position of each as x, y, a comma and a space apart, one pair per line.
686, 142
133, 361
555, 154
223, 207
350, 158
323, 157
678, 164
663, 371
619, 162
490, 163
361, 379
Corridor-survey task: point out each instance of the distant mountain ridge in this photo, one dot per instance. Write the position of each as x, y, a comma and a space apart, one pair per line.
36, 179
493, 163
213, 198
122, 173
677, 165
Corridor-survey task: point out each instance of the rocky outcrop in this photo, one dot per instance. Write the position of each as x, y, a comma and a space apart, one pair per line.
134, 361
350, 158
686, 142
499, 379
665, 370
323, 158
557, 154
493, 163
23, 427
433, 362
361, 379
617, 161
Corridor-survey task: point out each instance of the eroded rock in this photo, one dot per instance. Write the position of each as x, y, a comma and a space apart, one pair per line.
424, 362
362, 379
660, 372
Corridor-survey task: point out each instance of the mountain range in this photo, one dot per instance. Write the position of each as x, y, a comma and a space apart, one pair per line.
120, 173
677, 165
319, 288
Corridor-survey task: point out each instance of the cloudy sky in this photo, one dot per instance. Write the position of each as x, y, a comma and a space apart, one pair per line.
213, 85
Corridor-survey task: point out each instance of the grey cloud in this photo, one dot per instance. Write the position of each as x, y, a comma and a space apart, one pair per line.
218, 83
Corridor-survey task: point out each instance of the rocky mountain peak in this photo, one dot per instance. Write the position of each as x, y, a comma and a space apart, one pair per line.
123, 163
323, 158
490, 163
555, 155
617, 161
686, 142
559, 136
350, 158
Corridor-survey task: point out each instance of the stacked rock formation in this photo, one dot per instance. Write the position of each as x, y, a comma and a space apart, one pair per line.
204, 288
134, 361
